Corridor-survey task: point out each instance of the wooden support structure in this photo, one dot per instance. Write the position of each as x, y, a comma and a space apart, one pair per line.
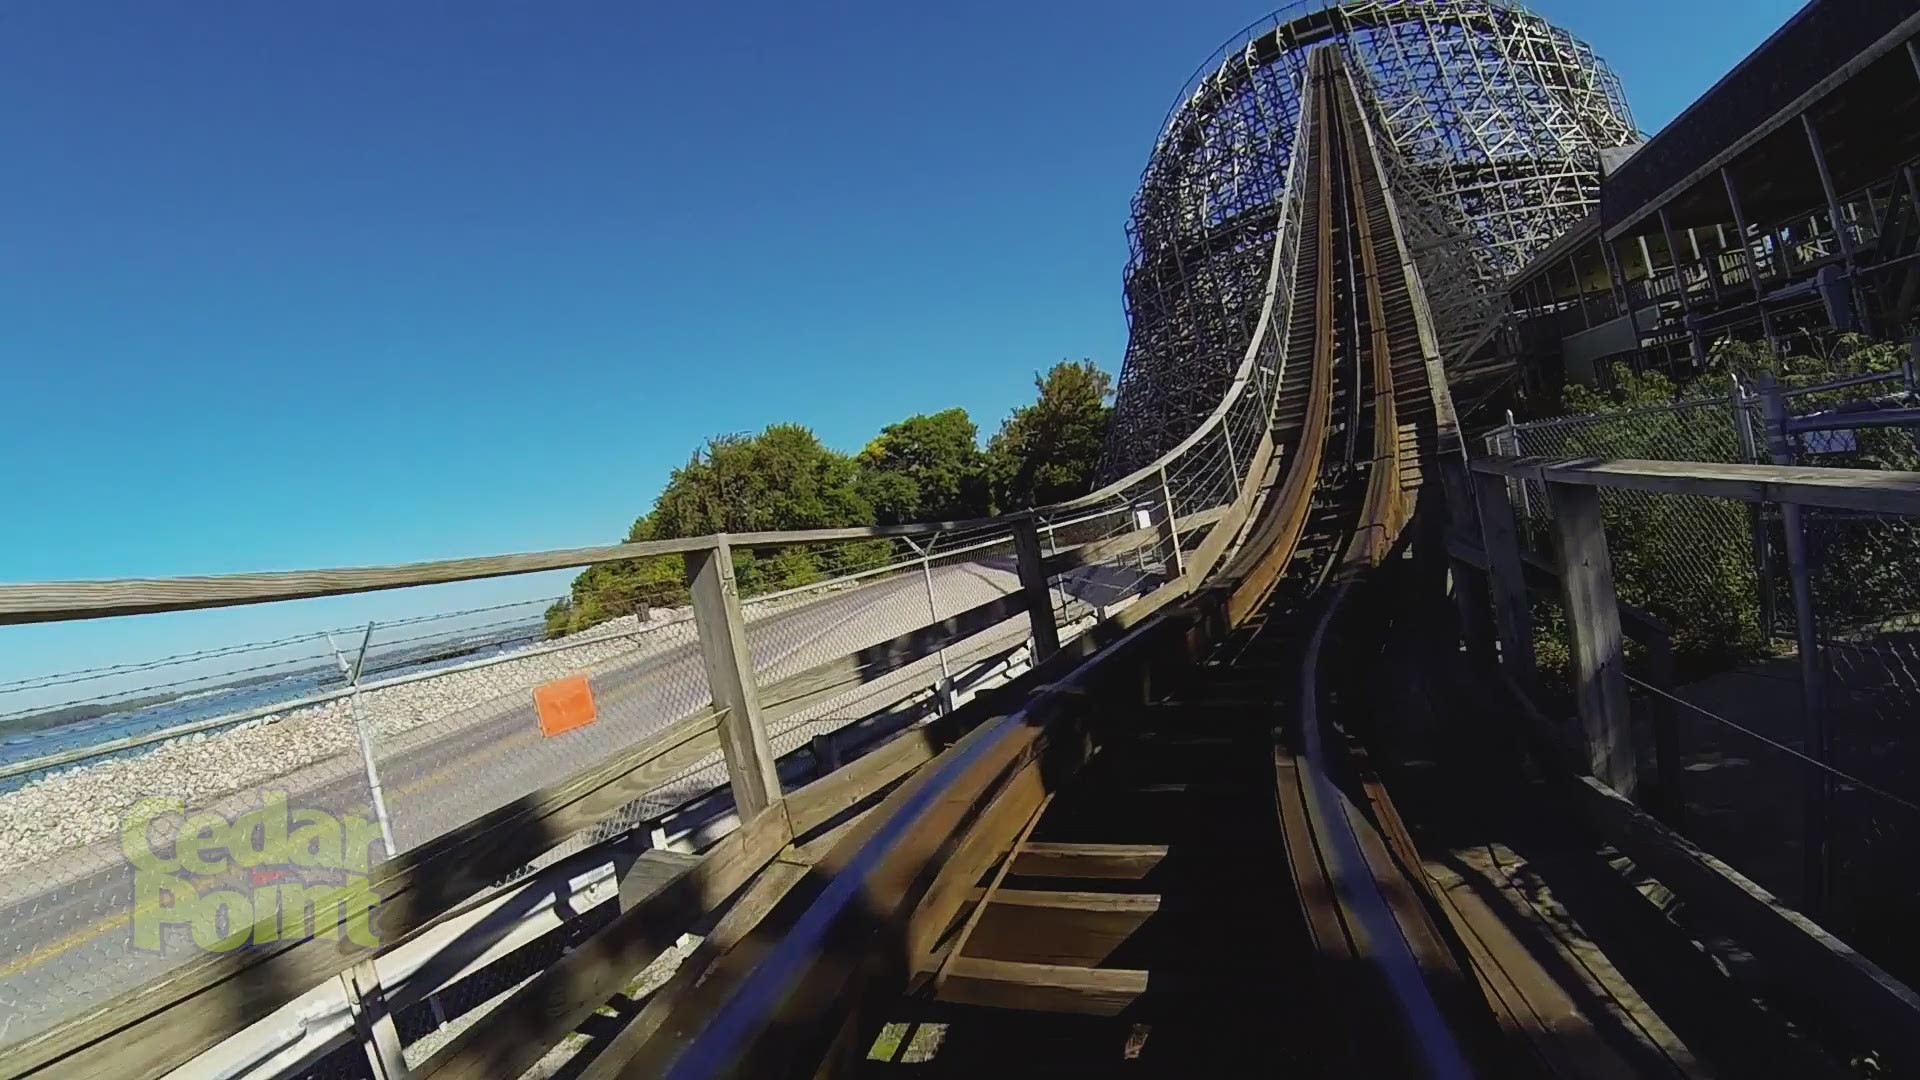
1753, 261
723, 644
373, 1021
1595, 640
1033, 581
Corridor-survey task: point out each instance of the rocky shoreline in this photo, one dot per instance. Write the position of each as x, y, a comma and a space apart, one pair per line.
83, 804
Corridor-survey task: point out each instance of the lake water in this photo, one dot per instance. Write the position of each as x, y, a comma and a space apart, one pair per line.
248, 695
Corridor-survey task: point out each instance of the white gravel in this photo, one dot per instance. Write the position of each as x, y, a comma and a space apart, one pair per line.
83, 804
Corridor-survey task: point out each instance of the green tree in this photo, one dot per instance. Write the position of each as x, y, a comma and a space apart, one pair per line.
925, 468
1049, 451
781, 479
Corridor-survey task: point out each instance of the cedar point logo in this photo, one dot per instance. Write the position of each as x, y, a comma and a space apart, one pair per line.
270, 875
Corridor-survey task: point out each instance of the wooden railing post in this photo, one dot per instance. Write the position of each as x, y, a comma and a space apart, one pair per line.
1033, 580
723, 644
1594, 638
1512, 613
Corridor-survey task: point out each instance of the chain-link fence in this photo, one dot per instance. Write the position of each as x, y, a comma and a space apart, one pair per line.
1791, 691
1692, 561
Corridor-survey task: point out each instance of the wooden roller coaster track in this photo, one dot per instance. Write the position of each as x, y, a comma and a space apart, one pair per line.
1160, 858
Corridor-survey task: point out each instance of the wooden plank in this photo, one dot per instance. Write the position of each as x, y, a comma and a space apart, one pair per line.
1107, 862
1033, 583
1848, 988
1595, 642
988, 840
792, 537
1278, 538
520, 1030
1044, 987
784, 999
1854, 991
66, 600
818, 802
993, 887
1534, 1007
1078, 929
167, 1022
822, 681
723, 645
1871, 491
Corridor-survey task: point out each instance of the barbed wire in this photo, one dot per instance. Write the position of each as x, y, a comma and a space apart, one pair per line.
92, 674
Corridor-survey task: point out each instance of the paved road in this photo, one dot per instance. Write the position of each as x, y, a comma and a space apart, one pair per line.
68, 947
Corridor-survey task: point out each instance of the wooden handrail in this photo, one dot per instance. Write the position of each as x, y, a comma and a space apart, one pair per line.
1872, 491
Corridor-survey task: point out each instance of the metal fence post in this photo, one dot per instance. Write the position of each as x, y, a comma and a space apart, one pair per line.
1033, 580
723, 644
1594, 637
360, 727
1512, 612
1170, 529
1233, 460
1812, 675
1053, 548
1512, 443
945, 694
1742, 405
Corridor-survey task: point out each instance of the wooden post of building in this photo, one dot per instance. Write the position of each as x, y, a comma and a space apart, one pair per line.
723, 644
1694, 344
1753, 263
1840, 230
1593, 636
1512, 613
1033, 581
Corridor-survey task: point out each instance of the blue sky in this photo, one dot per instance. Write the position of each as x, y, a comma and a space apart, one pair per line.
290, 285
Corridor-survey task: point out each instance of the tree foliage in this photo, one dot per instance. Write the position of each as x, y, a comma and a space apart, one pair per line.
1690, 560
1048, 451
924, 468
783, 478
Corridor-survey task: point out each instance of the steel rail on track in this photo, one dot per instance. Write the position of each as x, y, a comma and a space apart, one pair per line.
1357, 884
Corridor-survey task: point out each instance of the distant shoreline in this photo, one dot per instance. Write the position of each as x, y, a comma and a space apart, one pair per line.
315, 679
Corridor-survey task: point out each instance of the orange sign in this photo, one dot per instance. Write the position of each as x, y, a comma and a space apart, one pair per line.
564, 704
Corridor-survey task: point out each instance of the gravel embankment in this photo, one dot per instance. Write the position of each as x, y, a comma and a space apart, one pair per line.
84, 803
